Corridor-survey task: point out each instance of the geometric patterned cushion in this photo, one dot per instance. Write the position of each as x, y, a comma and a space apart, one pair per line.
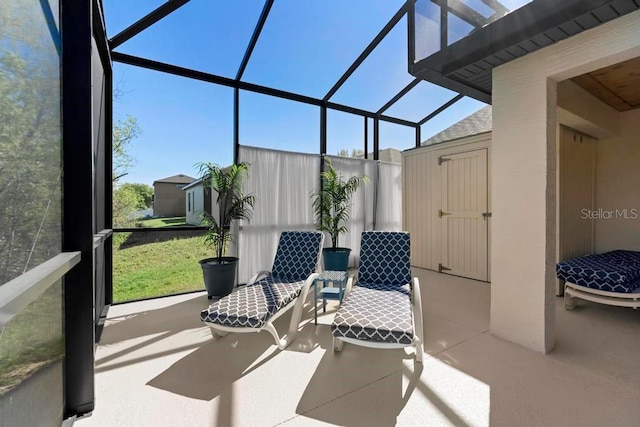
374, 312
385, 258
254, 304
615, 271
297, 255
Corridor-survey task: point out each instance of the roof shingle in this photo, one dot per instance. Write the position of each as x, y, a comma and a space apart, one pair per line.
476, 123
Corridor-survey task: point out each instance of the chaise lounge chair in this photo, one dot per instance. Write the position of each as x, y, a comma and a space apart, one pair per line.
384, 309
269, 294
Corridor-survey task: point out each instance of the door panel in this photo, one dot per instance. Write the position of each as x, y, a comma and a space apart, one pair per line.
463, 223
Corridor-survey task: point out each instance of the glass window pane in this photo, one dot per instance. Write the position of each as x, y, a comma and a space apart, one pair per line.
457, 28
427, 29
514, 4
29, 342
30, 138
270, 122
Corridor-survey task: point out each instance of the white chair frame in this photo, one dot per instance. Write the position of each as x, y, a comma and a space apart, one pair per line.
418, 332
294, 324
573, 292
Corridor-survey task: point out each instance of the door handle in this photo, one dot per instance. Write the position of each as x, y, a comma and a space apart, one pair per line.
441, 213
486, 215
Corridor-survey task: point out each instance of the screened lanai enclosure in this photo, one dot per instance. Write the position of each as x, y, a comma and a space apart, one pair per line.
282, 85
337, 84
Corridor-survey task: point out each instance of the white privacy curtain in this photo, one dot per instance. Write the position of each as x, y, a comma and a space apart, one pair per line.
389, 197
282, 183
362, 203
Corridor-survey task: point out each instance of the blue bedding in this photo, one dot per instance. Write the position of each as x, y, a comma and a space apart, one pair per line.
615, 271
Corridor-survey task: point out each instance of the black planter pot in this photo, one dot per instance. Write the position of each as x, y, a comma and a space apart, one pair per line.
219, 275
336, 259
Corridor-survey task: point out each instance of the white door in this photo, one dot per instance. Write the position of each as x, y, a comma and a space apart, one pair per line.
464, 214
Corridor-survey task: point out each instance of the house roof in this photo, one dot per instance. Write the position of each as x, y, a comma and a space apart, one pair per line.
193, 184
175, 179
477, 123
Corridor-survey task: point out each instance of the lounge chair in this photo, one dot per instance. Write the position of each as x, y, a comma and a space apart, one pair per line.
269, 294
384, 309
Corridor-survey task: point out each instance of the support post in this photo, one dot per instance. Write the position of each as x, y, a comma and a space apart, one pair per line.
366, 137
376, 138
236, 125
77, 219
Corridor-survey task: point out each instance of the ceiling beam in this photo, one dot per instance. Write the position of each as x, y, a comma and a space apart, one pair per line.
254, 38
375, 42
400, 94
145, 22
441, 109
251, 87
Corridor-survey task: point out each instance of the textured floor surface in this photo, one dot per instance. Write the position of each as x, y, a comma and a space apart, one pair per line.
157, 365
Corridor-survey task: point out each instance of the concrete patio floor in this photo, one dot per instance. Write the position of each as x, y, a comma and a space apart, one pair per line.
157, 365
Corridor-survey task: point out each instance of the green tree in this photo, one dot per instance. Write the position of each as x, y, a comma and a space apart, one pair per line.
124, 133
30, 140
354, 152
144, 192
126, 200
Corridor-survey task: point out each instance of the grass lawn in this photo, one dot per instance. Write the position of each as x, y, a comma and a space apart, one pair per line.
163, 222
157, 263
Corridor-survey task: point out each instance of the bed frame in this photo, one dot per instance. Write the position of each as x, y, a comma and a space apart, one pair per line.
573, 292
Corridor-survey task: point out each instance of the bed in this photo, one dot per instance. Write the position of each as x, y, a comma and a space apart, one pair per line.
611, 278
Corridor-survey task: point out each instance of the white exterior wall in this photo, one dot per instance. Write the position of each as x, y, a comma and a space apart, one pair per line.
524, 175
197, 204
618, 187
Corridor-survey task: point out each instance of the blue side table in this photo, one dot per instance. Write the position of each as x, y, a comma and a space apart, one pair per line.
328, 293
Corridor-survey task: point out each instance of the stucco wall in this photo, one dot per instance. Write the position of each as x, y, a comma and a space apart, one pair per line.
618, 187
524, 175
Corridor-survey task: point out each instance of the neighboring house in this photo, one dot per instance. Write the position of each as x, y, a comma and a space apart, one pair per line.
474, 124
168, 196
198, 200
390, 155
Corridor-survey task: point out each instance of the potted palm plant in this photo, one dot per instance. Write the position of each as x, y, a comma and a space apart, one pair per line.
220, 272
332, 208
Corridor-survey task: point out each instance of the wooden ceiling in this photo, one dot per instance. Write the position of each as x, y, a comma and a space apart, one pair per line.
617, 85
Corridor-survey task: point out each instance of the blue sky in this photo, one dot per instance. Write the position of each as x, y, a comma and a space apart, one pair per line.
304, 47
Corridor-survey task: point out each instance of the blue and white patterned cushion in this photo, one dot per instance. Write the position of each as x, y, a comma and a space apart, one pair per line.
378, 308
297, 255
385, 258
377, 313
615, 271
253, 305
